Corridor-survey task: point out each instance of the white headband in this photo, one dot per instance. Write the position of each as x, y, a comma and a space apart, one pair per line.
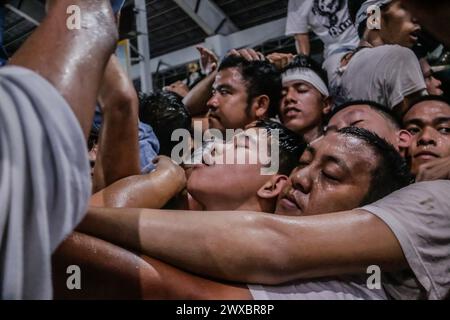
307, 75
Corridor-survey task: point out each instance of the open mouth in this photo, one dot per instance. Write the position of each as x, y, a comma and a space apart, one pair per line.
415, 35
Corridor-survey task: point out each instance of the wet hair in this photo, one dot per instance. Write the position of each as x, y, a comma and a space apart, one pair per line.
430, 98
261, 77
302, 61
291, 146
392, 172
387, 113
165, 113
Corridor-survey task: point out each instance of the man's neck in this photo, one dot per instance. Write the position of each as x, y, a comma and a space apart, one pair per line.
371, 39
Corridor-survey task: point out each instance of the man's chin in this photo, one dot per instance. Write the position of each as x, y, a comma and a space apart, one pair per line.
215, 123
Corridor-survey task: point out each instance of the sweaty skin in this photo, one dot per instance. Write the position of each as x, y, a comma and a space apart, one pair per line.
118, 154
73, 61
278, 259
363, 116
429, 124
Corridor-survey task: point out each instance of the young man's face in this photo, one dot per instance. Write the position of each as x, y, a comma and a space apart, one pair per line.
429, 124
302, 106
229, 102
363, 116
334, 175
398, 26
433, 84
222, 185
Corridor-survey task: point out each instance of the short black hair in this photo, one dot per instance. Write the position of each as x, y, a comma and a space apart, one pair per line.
392, 172
387, 113
430, 98
165, 112
261, 77
302, 61
291, 146
353, 8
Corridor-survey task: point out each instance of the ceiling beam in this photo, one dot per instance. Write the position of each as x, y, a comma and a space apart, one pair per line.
251, 37
208, 16
31, 10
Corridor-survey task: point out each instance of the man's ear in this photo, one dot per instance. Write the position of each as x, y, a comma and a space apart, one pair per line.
272, 188
327, 104
261, 106
404, 141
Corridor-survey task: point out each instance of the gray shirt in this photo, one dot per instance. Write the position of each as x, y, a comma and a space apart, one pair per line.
44, 181
329, 20
385, 74
339, 288
419, 217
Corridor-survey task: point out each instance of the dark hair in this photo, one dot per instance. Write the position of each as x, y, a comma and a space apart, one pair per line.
430, 98
353, 8
387, 113
392, 172
165, 113
291, 146
302, 61
261, 77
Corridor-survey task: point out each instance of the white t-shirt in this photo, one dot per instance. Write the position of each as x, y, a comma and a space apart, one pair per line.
44, 181
338, 288
328, 19
419, 217
384, 74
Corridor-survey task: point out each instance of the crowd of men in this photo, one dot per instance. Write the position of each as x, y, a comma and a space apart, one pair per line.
361, 178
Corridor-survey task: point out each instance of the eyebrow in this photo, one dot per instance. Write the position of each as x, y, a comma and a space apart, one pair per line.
222, 86
420, 122
441, 120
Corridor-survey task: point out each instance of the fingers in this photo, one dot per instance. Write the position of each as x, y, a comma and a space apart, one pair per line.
434, 170
280, 60
247, 54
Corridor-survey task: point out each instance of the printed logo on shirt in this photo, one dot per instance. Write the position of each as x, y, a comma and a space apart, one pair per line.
328, 10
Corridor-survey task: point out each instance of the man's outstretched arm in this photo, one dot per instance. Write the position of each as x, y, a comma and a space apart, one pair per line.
111, 272
252, 247
152, 190
73, 61
118, 155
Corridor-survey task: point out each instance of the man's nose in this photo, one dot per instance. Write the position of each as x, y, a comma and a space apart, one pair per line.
427, 137
290, 96
302, 181
213, 102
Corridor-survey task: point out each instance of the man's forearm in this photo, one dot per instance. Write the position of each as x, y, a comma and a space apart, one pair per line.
252, 247
196, 99
153, 190
118, 155
302, 44
72, 60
